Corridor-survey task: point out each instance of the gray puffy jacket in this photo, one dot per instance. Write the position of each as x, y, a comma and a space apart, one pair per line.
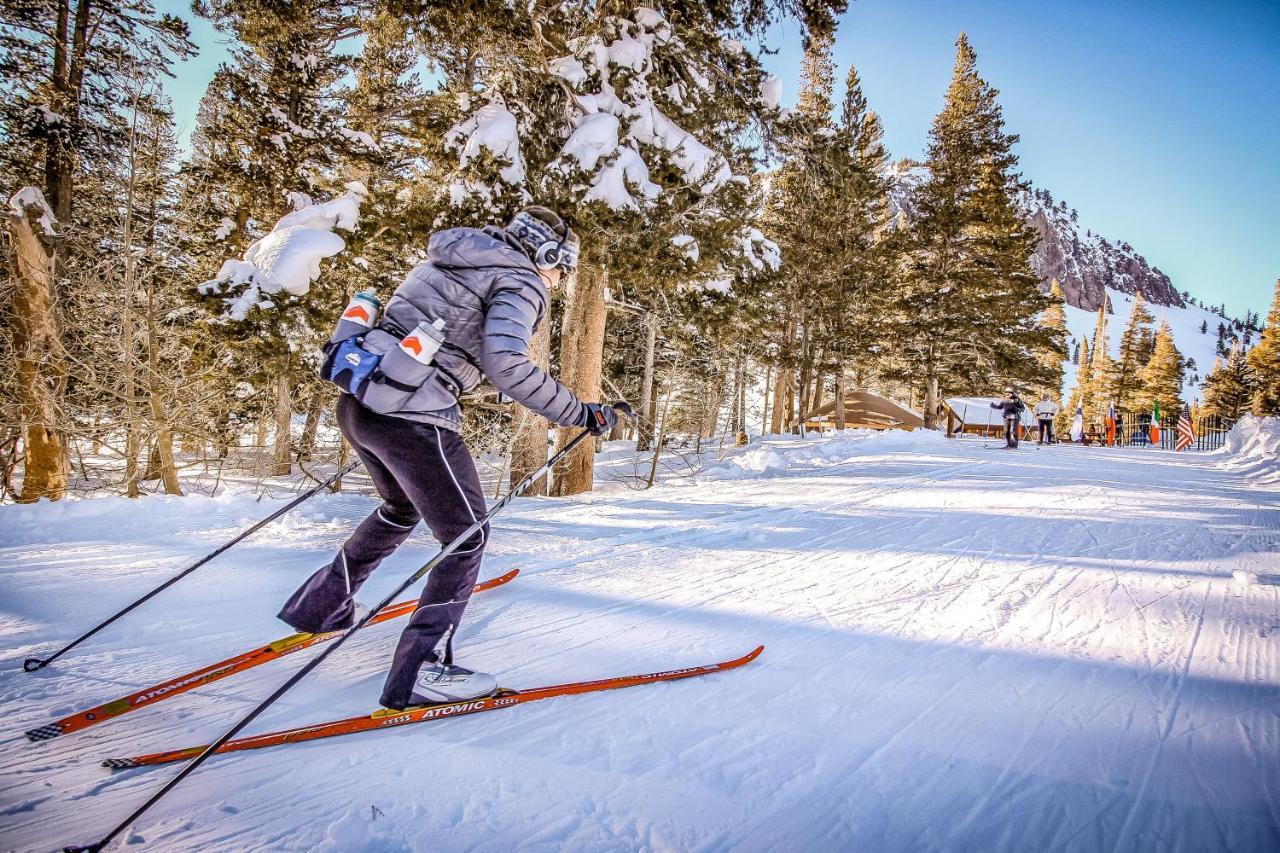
491, 298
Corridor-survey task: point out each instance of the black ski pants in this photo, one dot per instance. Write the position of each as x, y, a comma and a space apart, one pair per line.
1011, 432
1046, 431
422, 472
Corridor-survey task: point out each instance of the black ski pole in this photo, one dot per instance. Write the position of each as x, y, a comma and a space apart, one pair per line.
32, 664
333, 647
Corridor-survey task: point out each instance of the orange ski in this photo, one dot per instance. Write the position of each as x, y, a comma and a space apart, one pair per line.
426, 713
222, 669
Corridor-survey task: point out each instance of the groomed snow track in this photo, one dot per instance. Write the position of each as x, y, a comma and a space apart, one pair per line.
967, 650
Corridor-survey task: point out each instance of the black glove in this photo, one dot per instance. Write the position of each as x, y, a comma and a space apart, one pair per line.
599, 418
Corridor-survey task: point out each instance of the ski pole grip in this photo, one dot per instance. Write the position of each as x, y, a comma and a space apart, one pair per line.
623, 408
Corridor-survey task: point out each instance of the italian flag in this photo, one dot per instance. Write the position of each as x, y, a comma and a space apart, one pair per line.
1155, 423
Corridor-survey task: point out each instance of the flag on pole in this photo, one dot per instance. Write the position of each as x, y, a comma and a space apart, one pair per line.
1186, 434
1077, 423
1111, 424
1155, 423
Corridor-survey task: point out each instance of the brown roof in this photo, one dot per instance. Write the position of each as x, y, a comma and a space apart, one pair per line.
862, 408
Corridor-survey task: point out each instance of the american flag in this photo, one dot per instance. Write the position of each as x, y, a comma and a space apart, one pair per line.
1186, 434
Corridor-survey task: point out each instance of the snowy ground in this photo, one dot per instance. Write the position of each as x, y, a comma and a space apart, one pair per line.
966, 649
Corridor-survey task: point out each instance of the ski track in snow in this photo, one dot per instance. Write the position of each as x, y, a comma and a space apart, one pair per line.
965, 650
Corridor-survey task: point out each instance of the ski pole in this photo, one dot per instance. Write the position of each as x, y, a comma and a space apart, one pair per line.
316, 661
33, 664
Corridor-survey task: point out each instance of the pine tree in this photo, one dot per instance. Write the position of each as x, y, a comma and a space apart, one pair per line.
1078, 392
970, 305
278, 141
1264, 362
1101, 375
630, 123
1054, 321
63, 101
1135, 346
1229, 388
1160, 380
827, 207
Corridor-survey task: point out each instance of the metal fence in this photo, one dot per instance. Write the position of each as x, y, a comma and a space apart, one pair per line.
1134, 430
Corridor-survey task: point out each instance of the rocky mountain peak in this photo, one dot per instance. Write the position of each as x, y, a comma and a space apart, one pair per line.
1084, 263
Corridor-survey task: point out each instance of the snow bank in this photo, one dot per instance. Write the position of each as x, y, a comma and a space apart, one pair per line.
1253, 448
773, 456
154, 517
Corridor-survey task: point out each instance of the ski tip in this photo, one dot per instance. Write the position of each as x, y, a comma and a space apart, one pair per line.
759, 650
119, 763
40, 733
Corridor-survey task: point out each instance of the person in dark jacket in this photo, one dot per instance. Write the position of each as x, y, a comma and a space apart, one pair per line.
1011, 408
490, 288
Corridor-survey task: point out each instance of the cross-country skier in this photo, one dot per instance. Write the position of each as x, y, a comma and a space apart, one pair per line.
1011, 408
490, 288
1046, 411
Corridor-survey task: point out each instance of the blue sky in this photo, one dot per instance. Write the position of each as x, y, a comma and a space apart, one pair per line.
1158, 121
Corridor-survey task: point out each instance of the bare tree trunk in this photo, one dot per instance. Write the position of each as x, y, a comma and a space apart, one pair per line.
716, 399
41, 366
931, 403
264, 426
839, 390
789, 402
529, 430
132, 427
662, 434
644, 430
735, 411
786, 376
806, 368
764, 409
344, 453
581, 361
132, 418
159, 411
307, 446
281, 461
741, 425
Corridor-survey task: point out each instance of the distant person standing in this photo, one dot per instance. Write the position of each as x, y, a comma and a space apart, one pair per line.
1011, 408
1046, 411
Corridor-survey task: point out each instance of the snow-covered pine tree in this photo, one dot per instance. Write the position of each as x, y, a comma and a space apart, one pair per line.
627, 120
968, 306
1160, 380
279, 143
1264, 362
1135, 346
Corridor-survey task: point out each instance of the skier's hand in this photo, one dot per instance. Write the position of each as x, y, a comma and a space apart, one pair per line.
601, 417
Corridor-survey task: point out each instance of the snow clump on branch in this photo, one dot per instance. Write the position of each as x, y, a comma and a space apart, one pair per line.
612, 129
288, 257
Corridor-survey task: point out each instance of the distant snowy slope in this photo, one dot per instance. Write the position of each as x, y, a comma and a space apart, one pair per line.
1185, 322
